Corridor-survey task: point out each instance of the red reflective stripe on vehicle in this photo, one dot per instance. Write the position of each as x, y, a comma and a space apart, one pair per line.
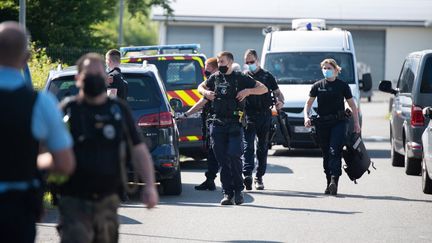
193, 95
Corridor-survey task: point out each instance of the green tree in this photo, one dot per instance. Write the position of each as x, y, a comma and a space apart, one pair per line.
72, 23
137, 30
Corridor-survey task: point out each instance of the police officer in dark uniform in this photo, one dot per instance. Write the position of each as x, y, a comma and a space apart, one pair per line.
204, 105
117, 85
331, 121
27, 118
258, 118
99, 126
227, 90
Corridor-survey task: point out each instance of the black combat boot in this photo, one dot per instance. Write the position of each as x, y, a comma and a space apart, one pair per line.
208, 184
327, 191
238, 197
247, 181
259, 185
227, 200
333, 185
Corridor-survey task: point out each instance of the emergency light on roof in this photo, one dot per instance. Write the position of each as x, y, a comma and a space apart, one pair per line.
308, 24
160, 49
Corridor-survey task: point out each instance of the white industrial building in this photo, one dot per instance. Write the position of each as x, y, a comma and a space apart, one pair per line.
384, 31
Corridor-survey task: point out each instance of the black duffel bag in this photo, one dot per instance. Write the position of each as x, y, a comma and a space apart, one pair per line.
356, 157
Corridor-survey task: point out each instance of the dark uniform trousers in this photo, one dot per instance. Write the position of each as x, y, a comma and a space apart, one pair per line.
17, 217
331, 139
257, 126
213, 165
227, 146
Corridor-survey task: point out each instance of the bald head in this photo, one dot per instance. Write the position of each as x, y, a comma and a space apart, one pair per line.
13, 45
90, 64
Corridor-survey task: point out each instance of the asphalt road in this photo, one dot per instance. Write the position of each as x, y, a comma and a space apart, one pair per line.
385, 206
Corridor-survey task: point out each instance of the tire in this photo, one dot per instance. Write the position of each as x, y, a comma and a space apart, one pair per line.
426, 180
412, 165
396, 158
172, 186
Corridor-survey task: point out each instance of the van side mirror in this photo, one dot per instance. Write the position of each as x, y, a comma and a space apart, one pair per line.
366, 82
427, 112
176, 103
386, 86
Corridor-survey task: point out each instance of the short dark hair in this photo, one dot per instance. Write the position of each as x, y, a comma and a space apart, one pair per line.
114, 55
92, 57
251, 52
226, 54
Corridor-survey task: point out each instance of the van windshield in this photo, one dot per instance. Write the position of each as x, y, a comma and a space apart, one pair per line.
304, 67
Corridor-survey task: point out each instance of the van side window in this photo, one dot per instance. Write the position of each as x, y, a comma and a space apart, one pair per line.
426, 82
407, 76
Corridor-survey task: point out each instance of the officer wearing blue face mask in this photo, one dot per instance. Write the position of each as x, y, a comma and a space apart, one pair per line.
331, 122
258, 118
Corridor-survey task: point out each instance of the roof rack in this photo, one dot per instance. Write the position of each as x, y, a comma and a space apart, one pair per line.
159, 49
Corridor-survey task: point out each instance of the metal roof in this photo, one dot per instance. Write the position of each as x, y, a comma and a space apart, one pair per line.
335, 12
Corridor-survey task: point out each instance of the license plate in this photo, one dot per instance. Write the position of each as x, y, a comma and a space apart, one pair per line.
301, 129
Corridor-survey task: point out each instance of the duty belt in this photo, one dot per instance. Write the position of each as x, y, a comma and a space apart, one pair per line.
6, 186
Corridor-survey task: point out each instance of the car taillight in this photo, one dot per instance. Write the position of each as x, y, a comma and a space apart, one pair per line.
163, 119
417, 118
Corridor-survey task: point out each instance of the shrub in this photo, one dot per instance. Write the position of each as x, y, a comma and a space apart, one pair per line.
40, 65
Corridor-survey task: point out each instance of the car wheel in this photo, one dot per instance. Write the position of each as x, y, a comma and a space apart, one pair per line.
172, 186
412, 165
396, 158
426, 180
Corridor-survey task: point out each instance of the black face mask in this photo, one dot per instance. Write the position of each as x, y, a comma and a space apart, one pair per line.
207, 73
223, 69
94, 85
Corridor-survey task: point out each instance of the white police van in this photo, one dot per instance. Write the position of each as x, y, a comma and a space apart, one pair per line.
294, 58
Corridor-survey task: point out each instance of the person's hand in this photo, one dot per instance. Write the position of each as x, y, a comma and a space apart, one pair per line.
110, 79
150, 196
307, 122
242, 94
279, 105
210, 95
357, 128
181, 117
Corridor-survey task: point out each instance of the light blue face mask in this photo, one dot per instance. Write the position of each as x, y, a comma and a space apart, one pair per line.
277, 67
252, 67
328, 73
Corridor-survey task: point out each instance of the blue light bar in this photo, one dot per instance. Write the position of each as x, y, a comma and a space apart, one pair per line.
161, 49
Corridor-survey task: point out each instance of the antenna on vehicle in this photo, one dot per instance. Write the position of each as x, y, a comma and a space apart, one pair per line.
59, 67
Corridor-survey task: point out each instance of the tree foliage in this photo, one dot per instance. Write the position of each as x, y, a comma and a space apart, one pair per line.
72, 23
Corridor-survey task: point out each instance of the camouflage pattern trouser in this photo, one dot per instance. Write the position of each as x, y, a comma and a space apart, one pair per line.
88, 221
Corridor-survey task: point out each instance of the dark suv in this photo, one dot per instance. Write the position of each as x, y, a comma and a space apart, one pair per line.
407, 123
152, 113
182, 70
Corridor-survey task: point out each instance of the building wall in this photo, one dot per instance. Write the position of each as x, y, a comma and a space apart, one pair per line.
238, 39
370, 53
202, 35
399, 43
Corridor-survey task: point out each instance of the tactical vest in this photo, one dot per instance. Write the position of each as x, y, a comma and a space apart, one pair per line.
226, 105
18, 147
97, 136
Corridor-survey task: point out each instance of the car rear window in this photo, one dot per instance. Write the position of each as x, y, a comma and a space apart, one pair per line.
426, 83
143, 91
179, 74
